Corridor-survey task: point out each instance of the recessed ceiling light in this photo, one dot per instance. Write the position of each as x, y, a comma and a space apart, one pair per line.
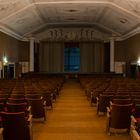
71, 19
72, 10
123, 20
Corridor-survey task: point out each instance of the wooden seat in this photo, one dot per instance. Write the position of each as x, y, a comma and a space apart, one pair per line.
134, 128
16, 100
33, 96
103, 102
17, 96
121, 96
4, 96
119, 117
37, 108
16, 126
48, 97
18, 107
136, 108
122, 101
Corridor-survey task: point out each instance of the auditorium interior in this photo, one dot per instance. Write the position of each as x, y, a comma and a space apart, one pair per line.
69, 69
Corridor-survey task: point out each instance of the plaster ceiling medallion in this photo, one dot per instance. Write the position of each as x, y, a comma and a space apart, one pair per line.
71, 10
123, 20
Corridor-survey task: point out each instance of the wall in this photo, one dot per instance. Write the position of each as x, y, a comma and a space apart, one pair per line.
128, 50
8, 47
23, 51
14, 49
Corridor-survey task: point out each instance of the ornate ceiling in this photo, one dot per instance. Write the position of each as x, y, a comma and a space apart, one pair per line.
70, 19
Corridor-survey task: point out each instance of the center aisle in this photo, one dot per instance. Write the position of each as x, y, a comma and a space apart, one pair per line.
72, 118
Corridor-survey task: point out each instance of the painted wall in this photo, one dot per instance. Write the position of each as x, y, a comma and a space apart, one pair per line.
14, 49
128, 50
8, 47
23, 51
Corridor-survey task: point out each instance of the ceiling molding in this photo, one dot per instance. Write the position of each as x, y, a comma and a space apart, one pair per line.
130, 34
10, 33
68, 25
33, 3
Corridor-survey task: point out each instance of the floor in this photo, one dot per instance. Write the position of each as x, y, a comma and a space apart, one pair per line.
73, 118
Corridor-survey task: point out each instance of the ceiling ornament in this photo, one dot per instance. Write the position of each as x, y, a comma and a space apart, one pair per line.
8, 2
25, 17
72, 34
123, 20
71, 10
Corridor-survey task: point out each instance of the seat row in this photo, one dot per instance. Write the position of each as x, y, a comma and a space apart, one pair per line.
118, 98
28, 99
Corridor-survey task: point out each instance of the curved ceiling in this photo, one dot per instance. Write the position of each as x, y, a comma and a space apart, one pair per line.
70, 19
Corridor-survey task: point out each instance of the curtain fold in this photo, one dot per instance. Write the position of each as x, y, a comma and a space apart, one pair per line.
51, 57
91, 57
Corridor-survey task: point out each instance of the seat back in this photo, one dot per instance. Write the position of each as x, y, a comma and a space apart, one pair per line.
16, 100
120, 116
17, 96
122, 101
37, 108
15, 126
104, 102
16, 107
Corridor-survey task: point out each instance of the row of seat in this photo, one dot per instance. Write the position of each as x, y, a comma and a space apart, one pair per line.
27, 99
118, 97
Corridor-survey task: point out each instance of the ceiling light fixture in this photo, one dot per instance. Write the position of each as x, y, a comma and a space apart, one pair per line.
123, 20
72, 10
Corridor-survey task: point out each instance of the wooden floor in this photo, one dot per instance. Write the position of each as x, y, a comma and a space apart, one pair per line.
72, 118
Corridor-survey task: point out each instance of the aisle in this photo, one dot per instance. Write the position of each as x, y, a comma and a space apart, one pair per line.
72, 118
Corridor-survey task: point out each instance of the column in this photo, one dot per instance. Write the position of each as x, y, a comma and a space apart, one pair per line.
31, 54
112, 64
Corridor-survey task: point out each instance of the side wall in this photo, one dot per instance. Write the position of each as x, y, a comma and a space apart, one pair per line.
128, 50
14, 49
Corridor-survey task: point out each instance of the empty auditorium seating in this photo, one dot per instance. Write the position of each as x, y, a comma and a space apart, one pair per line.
119, 117
16, 126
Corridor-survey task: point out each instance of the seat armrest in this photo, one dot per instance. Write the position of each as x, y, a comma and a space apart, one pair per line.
44, 103
97, 99
108, 109
41, 98
111, 103
1, 130
133, 119
133, 123
29, 109
1, 133
108, 112
29, 118
135, 135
